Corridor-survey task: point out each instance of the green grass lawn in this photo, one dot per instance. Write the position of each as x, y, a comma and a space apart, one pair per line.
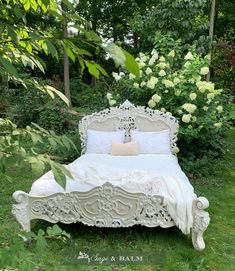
179, 254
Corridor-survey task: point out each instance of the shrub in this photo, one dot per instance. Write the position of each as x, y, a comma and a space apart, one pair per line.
202, 110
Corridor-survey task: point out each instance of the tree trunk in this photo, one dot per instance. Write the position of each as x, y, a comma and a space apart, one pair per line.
211, 31
66, 58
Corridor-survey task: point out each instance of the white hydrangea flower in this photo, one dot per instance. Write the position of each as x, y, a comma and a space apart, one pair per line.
141, 64
131, 76
162, 59
109, 96
151, 103
162, 73
112, 102
187, 64
172, 53
116, 76
148, 71
202, 85
198, 78
189, 107
219, 108
191, 80
154, 79
141, 55
162, 65
177, 93
189, 56
156, 98
218, 124
169, 113
150, 84
192, 96
144, 58
210, 96
141, 73
121, 74
176, 80
180, 111
210, 86
186, 118
163, 109
168, 83
142, 84
175, 149
205, 108
136, 85
204, 70
166, 91
154, 51
152, 61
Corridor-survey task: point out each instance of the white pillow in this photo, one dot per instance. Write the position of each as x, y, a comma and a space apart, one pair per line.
152, 142
101, 141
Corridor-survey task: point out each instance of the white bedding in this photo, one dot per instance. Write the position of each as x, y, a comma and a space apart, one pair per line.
148, 173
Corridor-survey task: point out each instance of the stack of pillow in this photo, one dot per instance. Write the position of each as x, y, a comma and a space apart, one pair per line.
141, 142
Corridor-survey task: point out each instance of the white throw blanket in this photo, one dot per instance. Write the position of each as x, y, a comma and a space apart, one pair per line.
149, 174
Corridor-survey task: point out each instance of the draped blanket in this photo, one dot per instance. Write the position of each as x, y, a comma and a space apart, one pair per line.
149, 174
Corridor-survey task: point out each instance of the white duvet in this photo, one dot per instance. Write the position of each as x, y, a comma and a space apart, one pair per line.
148, 173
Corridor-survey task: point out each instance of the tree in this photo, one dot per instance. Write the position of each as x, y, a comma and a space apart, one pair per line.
21, 44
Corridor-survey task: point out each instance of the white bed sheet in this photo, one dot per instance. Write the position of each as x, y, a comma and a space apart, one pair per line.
147, 173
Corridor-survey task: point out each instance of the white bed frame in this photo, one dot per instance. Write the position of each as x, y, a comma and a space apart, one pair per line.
107, 205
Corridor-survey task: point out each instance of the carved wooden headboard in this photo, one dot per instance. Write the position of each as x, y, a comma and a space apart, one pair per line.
128, 117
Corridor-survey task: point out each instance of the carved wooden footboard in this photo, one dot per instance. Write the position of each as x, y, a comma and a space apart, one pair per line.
105, 206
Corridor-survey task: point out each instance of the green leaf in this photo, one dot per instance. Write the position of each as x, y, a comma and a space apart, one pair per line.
59, 93
103, 71
81, 62
116, 53
39, 65
92, 69
52, 49
40, 241
60, 172
53, 231
92, 36
38, 168
8, 66
131, 64
59, 175
69, 53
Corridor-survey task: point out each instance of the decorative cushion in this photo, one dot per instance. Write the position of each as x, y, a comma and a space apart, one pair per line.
126, 149
101, 141
152, 142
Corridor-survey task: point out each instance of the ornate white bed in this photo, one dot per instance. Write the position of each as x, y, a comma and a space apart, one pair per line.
108, 205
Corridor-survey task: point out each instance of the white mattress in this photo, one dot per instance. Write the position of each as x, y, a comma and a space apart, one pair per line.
147, 173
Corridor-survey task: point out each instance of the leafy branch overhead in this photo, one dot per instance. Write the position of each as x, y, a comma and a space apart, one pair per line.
21, 45
15, 150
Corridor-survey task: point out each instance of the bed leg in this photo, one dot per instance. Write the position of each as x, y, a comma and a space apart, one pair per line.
201, 221
21, 210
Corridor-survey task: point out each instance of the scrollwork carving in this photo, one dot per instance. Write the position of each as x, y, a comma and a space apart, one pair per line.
201, 221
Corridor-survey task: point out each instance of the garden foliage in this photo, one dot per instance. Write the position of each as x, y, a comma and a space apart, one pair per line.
201, 109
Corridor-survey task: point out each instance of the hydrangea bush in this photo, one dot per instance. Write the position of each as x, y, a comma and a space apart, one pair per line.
199, 107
